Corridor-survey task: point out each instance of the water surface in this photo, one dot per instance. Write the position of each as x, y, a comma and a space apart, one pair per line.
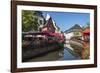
62, 54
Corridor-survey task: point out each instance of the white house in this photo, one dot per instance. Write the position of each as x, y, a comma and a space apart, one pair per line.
73, 31
68, 35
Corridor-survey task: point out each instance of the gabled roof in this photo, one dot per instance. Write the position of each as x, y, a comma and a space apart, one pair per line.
74, 28
50, 21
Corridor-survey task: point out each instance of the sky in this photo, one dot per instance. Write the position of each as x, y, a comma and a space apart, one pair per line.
66, 20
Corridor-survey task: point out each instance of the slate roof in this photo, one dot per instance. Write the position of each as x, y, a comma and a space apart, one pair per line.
74, 28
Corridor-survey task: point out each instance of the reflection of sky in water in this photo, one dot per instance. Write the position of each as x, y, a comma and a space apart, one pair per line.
68, 56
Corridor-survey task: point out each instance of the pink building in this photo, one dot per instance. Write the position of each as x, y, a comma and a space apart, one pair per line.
49, 26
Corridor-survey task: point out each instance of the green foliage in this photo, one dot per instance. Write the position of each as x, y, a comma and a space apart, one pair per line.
29, 21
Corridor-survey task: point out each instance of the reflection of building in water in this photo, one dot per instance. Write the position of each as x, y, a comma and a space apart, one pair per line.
51, 56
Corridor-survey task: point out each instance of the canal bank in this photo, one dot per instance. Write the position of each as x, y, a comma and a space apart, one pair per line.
31, 52
57, 55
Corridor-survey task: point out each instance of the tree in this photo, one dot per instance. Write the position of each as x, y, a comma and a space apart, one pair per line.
29, 20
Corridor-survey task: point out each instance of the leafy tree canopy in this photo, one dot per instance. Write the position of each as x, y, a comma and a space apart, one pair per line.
29, 20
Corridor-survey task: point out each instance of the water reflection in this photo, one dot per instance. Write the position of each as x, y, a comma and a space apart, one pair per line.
62, 54
68, 56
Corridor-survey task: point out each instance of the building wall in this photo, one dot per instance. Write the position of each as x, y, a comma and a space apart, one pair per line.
50, 25
77, 34
68, 35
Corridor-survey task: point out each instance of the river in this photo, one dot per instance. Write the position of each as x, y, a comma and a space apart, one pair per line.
62, 54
